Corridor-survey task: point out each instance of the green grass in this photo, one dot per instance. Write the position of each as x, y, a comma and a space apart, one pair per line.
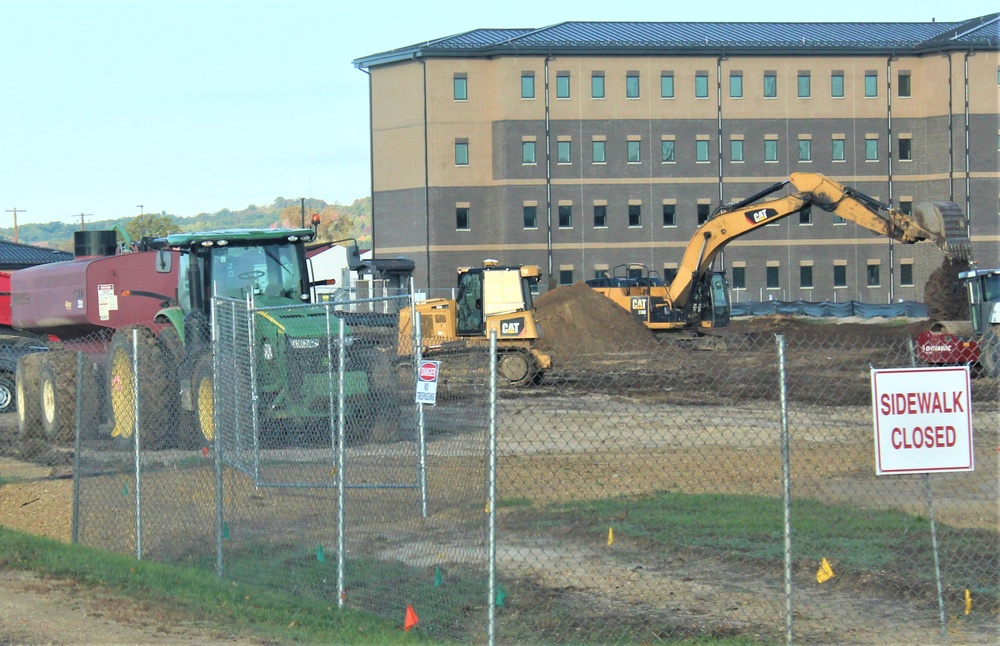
198, 594
751, 527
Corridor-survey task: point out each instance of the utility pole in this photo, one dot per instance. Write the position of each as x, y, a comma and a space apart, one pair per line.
138, 227
303, 212
83, 227
15, 211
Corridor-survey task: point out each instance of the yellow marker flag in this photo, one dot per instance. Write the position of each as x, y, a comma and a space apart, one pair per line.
968, 601
825, 572
611, 535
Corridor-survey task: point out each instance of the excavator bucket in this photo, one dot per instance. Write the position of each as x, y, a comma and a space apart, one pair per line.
944, 224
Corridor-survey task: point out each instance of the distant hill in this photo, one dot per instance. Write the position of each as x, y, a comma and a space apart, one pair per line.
338, 221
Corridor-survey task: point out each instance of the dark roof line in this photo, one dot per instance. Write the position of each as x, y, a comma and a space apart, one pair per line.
614, 38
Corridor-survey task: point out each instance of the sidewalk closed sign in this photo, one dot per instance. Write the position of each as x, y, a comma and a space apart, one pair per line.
923, 420
427, 382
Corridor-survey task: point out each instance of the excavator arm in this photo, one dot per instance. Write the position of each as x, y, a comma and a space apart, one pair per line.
941, 222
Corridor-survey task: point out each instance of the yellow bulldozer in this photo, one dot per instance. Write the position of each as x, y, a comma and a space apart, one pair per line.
490, 297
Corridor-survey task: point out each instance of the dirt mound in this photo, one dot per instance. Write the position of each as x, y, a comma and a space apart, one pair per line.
578, 320
944, 298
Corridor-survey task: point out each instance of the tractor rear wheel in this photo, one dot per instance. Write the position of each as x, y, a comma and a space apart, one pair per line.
8, 393
989, 352
57, 385
203, 397
26, 389
155, 389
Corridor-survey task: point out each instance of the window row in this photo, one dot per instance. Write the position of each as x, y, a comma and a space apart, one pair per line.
632, 214
739, 149
837, 273
768, 83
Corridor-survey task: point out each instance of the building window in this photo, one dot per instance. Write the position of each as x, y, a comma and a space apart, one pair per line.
597, 85
871, 149
701, 151
667, 151
599, 151
805, 276
837, 85
634, 149
562, 85
906, 206
770, 85
462, 218
873, 277
635, 215
527, 152
906, 274
600, 216
805, 89
837, 150
667, 85
770, 150
701, 85
702, 214
461, 88
632, 85
669, 274
565, 216
527, 85
905, 149
739, 277
903, 87
736, 85
806, 216
805, 150
871, 84
565, 277
736, 150
773, 277
839, 220
669, 215
563, 152
530, 217
461, 153
840, 275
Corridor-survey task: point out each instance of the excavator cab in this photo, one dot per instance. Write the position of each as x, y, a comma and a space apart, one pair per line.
983, 289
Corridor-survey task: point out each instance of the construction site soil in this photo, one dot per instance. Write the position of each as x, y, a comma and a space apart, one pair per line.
601, 357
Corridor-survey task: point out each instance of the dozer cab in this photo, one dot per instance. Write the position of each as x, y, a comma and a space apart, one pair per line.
489, 298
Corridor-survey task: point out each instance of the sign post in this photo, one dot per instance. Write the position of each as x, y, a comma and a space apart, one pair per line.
923, 424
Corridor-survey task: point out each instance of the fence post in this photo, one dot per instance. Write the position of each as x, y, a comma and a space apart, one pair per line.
341, 477
491, 469
217, 442
77, 444
421, 428
786, 485
135, 441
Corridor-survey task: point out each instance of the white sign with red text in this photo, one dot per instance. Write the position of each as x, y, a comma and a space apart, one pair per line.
923, 420
427, 382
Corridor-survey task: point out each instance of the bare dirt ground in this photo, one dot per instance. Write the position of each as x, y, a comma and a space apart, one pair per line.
560, 441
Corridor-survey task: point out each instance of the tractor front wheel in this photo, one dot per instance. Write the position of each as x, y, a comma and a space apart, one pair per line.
58, 396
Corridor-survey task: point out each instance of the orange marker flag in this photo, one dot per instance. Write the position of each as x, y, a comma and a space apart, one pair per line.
411, 619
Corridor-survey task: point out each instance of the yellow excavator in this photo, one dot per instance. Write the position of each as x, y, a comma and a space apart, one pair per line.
489, 298
697, 299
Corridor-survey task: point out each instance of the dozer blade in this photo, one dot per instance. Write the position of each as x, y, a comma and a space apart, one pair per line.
944, 224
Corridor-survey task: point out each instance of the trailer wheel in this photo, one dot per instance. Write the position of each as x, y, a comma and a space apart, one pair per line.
989, 352
155, 388
57, 386
203, 395
29, 410
517, 367
8, 393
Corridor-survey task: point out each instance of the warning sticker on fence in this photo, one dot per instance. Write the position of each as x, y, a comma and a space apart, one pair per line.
923, 420
427, 382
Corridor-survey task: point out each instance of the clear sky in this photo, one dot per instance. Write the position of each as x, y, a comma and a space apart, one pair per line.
191, 106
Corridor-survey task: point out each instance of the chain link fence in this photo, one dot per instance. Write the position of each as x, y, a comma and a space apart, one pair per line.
642, 492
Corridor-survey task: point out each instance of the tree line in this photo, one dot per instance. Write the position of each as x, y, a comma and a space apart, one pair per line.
337, 222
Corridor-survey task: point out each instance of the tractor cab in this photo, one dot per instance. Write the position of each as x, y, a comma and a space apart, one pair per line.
983, 290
